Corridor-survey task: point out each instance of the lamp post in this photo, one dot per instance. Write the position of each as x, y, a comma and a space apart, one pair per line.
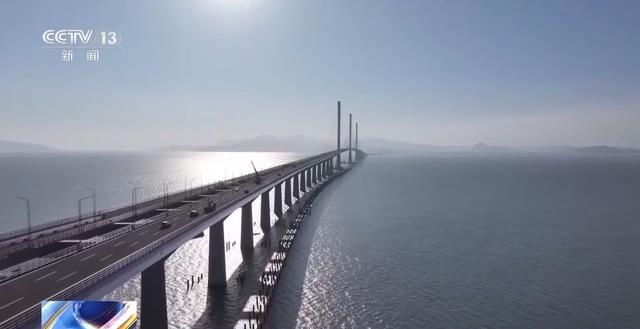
191, 185
93, 196
80, 205
166, 191
134, 198
28, 202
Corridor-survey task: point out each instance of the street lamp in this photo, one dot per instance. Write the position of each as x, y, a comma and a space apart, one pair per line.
28, 202
134, 198
93, 196
80, 206
166, 191
191, 185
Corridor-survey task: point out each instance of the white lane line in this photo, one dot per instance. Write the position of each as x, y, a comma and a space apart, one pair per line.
142, 233
119, 243
66, 276
154, 234
15, 301
44, 276
133, 244
82, 260
106, 257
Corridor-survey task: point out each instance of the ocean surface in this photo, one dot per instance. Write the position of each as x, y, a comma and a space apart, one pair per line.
468, 241
401, 241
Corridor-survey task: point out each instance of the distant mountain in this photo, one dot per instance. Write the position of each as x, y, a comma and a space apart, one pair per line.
605, 149
263, 143
302, 144
482, 147
595, 149
18, 147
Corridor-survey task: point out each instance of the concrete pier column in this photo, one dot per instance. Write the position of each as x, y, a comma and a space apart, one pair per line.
265, 213
277, 201
296, 186
153, 296
314, 177
308, 179
246, 228
287, 192
303, 185
217, 262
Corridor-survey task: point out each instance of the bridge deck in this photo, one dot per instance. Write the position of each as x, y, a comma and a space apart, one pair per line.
25, 292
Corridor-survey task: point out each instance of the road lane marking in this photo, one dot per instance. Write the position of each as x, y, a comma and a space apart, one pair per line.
154, 234
119, 243
82, 260
44, 276
133, 244
15, 301
105, 257
66, 276
142, 233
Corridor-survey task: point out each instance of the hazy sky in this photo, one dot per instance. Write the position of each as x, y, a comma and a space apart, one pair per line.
439, 72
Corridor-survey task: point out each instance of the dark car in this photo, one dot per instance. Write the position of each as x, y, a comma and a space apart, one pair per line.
210, 207
164, 224
193, 214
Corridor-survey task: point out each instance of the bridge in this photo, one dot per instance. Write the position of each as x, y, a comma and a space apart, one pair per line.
106, 261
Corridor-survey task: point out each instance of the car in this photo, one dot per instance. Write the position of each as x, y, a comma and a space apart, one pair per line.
210, 207
193, 214
164, 224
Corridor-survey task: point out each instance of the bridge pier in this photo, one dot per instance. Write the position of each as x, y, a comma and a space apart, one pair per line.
287, 192
153, 296
265, 216
313, 175
277, 201
246, 228
296, 187
308, 170
217, 262
303, 185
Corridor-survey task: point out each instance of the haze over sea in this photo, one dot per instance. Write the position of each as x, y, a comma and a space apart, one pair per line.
455, 240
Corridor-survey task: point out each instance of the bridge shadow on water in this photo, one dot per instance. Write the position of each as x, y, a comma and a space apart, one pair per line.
225, 306
287, 298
